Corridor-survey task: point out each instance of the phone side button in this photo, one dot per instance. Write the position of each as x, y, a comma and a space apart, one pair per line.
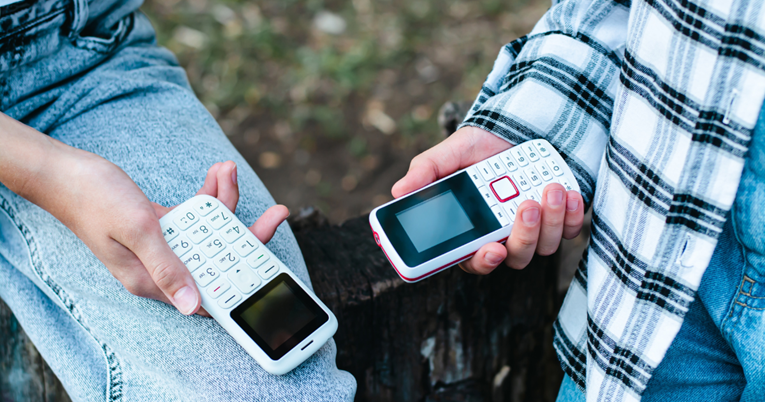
377, 238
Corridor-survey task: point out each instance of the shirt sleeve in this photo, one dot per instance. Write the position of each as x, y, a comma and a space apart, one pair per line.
559, 83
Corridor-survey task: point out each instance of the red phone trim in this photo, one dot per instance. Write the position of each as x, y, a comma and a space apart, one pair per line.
491, 186
429, 273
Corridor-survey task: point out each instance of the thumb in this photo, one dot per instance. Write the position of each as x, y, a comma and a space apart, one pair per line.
166, 269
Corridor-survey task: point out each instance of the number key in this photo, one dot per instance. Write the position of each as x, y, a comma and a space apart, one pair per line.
193, 261
233, 232
220, 219
213, 246
185, 220
199, 232
245, 246
546, 175
206, 275
180, 246
226, 260
519, 156
531, 151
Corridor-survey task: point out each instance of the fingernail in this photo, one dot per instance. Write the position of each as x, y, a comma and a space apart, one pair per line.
233, 175
531, 216
185, 300
493, 258
572, 205
555, 197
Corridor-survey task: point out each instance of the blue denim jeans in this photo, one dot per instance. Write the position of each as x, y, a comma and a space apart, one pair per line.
719, 353
91, 75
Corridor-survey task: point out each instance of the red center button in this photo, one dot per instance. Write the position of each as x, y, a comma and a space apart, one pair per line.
504, 189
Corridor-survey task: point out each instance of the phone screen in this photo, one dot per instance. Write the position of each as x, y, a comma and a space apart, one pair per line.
434, 221
279, 316
437, 219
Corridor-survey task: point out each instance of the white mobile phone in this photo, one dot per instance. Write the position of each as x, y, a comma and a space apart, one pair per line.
447, 221
253, 296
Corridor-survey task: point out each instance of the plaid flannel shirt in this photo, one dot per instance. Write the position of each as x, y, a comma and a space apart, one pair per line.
652, 104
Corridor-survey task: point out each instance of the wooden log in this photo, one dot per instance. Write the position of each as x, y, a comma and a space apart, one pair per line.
451, 337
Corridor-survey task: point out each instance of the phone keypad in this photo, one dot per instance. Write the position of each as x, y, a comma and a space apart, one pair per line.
226, 260
518, 174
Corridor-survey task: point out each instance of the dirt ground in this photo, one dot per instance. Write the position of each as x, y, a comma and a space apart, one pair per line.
329, 101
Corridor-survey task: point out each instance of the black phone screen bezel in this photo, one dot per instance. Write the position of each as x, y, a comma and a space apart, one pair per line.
467, 195
275, 354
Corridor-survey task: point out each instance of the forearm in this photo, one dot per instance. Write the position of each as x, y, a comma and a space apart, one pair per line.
29, 160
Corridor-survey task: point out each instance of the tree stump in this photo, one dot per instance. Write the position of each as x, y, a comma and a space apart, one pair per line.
451, 337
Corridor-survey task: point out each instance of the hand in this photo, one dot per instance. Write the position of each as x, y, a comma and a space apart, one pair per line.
537, 228
113, 217
97, 201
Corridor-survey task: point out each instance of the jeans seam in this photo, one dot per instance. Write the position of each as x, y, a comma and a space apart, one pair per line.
114, 368
734, 302
25, 27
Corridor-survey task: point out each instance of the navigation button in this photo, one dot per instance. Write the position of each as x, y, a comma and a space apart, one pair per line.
504, 189
244, 279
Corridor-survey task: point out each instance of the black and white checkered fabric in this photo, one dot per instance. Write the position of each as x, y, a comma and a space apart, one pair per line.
652, 104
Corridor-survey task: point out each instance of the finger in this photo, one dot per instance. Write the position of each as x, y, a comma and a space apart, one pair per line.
553, 215
427, 167
228, 190
485, 260
574, 220
523, 238
161, 210
133, 275
210, 187
166, 270
203, 312
265, 227
465, 147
